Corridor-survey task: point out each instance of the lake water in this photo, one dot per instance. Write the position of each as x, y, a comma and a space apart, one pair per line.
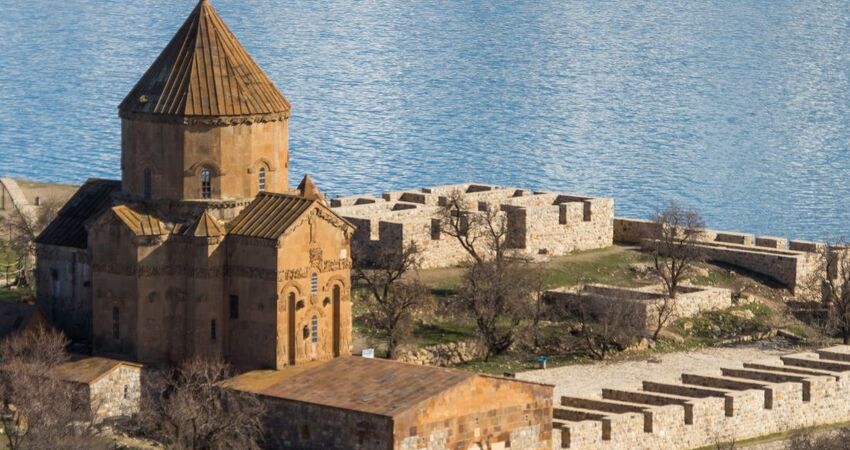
739, 109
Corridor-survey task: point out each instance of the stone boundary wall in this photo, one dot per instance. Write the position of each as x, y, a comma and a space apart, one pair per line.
441, 355
790, 262
690, 302
539, 223
704, 409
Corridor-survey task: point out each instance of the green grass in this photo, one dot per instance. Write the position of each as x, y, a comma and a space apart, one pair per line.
716, 325
444, 331
607, 268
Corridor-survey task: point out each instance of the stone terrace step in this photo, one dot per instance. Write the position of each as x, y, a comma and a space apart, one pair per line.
735, 384
792, 369
811, 363
610, 407
684, 391
837, 353
652, 399
772, 377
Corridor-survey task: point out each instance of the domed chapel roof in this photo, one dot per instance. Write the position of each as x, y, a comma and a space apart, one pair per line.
205, 73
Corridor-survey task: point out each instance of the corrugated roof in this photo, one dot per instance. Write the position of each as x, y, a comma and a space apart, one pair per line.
269, 215
373, 386
205, 225
205, 72
141, 224
68, 228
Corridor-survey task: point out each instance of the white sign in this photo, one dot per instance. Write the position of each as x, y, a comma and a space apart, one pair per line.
368, 353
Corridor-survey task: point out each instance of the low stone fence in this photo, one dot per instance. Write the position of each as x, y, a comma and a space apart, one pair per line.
705, 409
645, 301
443, 355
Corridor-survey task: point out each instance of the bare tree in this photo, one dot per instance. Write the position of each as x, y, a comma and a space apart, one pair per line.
394, 298
497, 296
833, 278
675, 252
675, 247
39, 410
481, 233
497, 287
191, 410
606, 326
21, 227
662, 312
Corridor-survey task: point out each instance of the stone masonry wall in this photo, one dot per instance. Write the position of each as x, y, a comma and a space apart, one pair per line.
539, 223
704, 409
116, 394
791, 263
645, 301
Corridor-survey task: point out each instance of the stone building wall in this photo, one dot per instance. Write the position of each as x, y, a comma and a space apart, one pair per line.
539, 223
64, 288
309, 426
482, 413
705, 409
175, 153
116, 394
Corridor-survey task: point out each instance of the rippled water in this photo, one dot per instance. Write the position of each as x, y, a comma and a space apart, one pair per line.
737, 108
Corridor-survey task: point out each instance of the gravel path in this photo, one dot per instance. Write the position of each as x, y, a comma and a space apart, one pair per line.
587, 380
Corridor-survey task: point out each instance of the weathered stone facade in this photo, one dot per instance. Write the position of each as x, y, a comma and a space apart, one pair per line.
108, 387
538, 223
646, 301
705, 409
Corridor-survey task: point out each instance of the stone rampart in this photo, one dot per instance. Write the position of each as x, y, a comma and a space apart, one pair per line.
705, 409
789, 262
644, 301
538, 223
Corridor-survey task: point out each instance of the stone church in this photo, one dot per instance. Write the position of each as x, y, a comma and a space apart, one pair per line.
202, 248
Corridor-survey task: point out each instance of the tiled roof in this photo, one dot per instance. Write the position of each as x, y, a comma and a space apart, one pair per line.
140, 224
205, 72
269, 215
68, 228
373, 386
87, 370
205, 225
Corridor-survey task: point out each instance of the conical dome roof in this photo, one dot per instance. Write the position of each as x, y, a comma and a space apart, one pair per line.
205, 74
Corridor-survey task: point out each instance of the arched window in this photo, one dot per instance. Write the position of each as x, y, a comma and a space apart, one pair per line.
148, 184
261, 179
116, 325
314, 283
314, 329
206, 183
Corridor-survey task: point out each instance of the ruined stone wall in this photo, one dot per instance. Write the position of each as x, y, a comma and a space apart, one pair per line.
309, 426
539, 223
484, 412
645, 302
63, 283
705, 409
791, 263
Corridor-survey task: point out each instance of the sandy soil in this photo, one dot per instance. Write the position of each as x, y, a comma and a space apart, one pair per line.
587, 380
46, 191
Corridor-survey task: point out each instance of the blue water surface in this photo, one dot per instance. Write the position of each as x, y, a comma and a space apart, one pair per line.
739, 109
